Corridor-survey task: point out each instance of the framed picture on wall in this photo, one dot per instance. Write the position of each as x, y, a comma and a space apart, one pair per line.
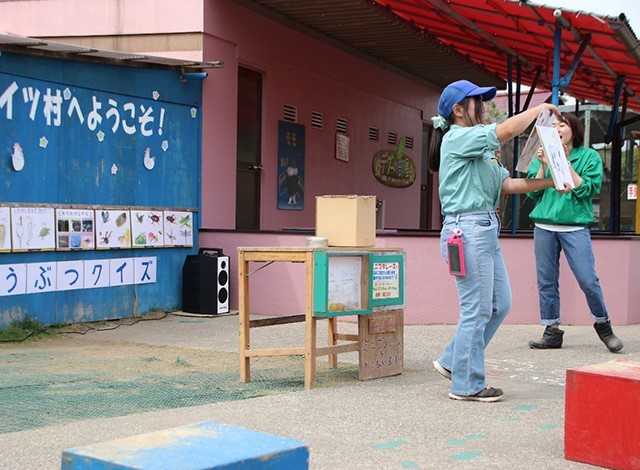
178, 228
113, 229
33, 228
5, 229
75, 229
342, 147
147, 228
291, 143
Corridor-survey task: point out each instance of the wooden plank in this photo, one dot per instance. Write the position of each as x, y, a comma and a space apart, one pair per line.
381, 350
346, 337
308, 249
273, 249
310, 323
332, 330
338, 349
275, 352
243, 318
295, 257
277, 321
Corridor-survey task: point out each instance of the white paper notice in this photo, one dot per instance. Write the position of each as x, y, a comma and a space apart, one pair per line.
545, 119
556, 157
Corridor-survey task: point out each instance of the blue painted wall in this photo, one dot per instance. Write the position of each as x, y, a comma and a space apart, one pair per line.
74, 121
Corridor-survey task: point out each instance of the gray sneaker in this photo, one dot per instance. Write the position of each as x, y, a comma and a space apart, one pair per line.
443, 371
486, 394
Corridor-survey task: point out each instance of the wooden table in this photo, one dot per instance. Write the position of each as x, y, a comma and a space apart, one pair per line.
349, 342
310, 350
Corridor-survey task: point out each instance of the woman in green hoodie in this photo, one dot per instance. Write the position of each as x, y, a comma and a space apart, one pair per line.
562, 224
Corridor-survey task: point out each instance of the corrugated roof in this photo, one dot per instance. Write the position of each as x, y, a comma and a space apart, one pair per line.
440, 41
26, 45
373, 31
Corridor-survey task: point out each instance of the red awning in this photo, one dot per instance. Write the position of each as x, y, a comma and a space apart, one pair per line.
488, 31
537, 97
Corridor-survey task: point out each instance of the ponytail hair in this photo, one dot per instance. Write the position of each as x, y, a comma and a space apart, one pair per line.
435, 142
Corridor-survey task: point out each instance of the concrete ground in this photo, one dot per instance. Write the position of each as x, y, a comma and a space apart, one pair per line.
405, 421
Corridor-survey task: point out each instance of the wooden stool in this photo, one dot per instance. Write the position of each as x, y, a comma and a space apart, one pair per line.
602, 412
199, 446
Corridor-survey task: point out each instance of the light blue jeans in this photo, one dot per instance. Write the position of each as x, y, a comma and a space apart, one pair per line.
485, 298
579, 253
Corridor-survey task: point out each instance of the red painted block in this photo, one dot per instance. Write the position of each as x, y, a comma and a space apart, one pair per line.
602, 415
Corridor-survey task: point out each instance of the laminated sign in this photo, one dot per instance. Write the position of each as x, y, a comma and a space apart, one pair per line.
557, 159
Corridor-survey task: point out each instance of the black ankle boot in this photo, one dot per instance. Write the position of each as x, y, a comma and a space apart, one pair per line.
606, 335
551, 339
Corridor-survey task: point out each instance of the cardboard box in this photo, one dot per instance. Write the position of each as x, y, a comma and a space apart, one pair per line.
346, 220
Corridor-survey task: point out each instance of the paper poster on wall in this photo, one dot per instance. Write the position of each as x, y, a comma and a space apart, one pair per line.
113, 229
13, 279
5, 229
342, 147
178, 228
121, 272
291, 143
74, 229
147, 228
41, 277
32, 228
96, 273
70, 275
144, 270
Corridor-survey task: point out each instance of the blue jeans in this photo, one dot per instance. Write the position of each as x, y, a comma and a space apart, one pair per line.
485, 298
579, 253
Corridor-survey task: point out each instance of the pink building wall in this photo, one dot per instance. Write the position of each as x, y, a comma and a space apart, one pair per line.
430, 291
55, 18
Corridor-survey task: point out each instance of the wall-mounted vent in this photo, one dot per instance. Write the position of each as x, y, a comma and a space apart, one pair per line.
317, 120
341, 125
408, 142
392, 138
290, 113
374, 133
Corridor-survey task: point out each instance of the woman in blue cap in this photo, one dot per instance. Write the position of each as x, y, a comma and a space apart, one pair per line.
471, 180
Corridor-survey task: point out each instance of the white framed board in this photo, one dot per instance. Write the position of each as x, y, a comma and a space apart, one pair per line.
75, 229
178, 228
147, 228
5, 230
33, 228
113, 229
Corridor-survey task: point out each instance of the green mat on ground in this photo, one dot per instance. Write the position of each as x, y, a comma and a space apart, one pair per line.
44, 385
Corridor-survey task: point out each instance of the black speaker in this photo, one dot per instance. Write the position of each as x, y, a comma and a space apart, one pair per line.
205, 282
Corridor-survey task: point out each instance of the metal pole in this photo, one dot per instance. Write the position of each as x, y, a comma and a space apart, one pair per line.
555, 83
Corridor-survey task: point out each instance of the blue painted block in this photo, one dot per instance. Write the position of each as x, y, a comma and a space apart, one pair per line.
200, 446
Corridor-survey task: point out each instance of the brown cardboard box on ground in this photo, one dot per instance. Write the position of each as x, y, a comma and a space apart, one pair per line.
346, 220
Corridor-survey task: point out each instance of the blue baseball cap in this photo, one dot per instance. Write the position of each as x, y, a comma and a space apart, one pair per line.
455, 92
